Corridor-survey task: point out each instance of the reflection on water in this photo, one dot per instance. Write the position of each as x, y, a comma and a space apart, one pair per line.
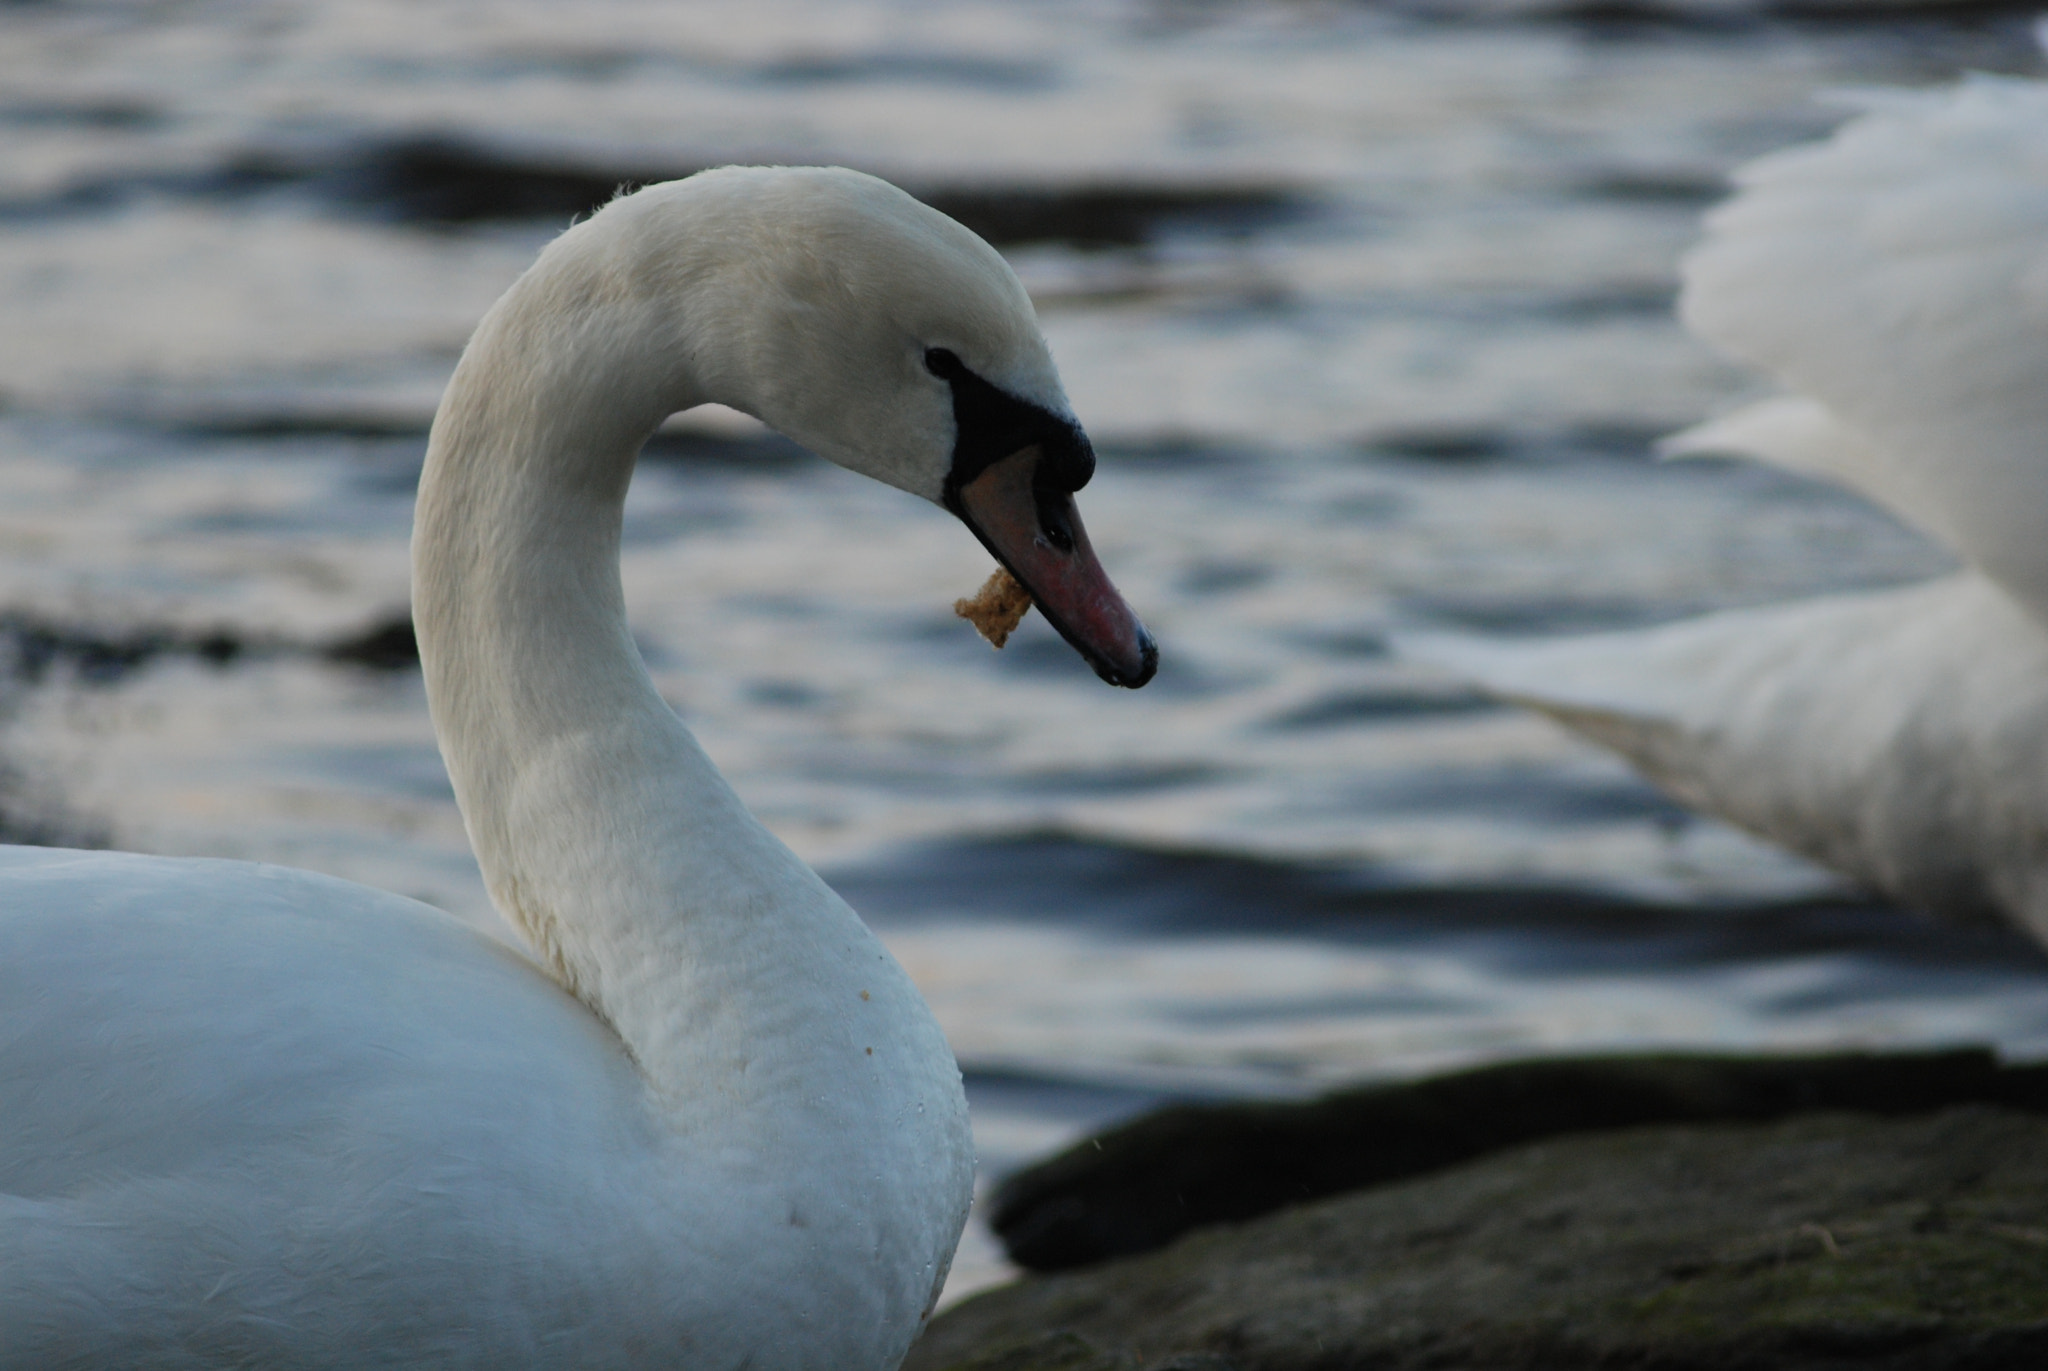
1366, 307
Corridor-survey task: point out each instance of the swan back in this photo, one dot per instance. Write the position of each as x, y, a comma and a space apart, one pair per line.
235, 1155
323, 1125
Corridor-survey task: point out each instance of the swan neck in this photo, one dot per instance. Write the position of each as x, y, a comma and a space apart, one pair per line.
604, 834
802, 1101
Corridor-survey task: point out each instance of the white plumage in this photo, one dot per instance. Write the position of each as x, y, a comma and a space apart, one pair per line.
254, 1116
1895, 279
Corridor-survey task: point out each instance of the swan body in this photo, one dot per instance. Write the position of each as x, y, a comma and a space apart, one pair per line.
1895, 278
1928, 784
254, 1116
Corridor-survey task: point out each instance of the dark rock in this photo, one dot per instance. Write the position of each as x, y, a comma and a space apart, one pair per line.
1068, 1351
1060, 1351
1825, 1241
1140, 1186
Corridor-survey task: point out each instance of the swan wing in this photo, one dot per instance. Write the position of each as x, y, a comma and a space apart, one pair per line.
1799, 435
250, 1115
1900, 737
1896, 276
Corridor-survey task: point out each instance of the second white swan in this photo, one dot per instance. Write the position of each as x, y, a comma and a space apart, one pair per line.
1895, 278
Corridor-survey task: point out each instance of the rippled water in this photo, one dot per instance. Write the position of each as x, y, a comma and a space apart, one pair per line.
1367, 308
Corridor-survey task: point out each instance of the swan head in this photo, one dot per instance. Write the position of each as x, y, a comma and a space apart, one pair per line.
891, 340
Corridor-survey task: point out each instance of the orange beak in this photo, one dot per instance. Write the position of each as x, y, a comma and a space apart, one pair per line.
1033, 528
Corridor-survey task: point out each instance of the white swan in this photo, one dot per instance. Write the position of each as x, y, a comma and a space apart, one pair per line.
1895, 277
254, 1116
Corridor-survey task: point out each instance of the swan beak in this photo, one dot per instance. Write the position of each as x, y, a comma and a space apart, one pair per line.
1033, 528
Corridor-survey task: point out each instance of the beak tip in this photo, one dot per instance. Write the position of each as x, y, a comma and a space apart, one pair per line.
1147, 667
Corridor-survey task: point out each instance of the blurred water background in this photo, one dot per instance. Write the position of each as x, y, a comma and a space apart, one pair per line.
1367, 307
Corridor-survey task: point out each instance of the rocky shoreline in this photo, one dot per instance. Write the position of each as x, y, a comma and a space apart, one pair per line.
1884, 1212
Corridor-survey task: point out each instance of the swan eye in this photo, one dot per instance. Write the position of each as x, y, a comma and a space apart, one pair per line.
942, 363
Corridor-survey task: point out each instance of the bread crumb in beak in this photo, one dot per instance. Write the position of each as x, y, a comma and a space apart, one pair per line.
997, 608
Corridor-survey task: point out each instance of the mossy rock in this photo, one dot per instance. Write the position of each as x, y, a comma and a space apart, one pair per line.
1141, 1185
1824, 1241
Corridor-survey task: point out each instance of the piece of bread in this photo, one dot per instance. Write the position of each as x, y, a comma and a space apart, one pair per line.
997, 608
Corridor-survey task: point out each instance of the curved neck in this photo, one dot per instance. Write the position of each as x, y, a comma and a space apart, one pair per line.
821, 1131
604, 833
